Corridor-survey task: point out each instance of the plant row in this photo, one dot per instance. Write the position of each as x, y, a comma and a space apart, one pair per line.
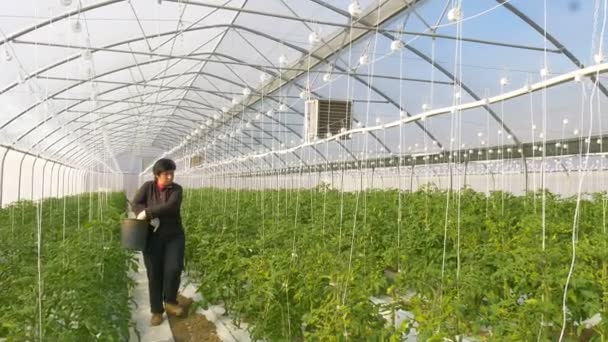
303, 264
63, 272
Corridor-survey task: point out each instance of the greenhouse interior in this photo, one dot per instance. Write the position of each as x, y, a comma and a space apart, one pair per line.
347, 170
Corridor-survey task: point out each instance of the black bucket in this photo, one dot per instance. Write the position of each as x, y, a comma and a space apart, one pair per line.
134, 234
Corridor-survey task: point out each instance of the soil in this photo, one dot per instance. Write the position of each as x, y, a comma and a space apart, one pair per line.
192, 326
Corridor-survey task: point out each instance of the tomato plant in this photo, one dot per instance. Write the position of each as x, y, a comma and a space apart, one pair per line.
302, 264
83, 286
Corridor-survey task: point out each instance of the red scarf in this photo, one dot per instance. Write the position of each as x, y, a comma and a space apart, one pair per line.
160, 187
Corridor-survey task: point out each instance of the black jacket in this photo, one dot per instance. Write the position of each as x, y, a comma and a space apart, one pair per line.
164, 205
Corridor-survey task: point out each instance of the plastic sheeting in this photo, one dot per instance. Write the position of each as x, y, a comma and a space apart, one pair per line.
88, 82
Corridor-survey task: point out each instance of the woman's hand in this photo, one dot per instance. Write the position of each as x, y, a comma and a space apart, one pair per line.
141, 215
155, 222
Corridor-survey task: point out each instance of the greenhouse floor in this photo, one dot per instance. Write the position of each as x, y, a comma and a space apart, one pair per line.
140, 310
225, 329
140, 315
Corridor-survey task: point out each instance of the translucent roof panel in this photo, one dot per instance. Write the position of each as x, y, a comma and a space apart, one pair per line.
231, 78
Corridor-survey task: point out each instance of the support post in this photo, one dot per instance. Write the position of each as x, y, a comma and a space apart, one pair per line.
2, 175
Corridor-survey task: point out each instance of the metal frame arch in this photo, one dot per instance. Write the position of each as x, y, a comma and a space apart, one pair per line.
41, 123
23, 156
267, 96
256, 32
43, 180
323, 60
51, 185
120, 119
118, 101
32, 179
82, 101
77, 154
536, 27
436, 66
164, 57
123, 118
114, 102
6, 150
273, 98
85, 114
77, 84
106, 3
57, 18
114, 1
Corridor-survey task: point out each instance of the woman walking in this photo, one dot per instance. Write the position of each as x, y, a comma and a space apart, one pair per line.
159, 202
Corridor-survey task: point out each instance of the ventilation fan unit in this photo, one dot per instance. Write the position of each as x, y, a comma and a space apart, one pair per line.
327, 116
196, 160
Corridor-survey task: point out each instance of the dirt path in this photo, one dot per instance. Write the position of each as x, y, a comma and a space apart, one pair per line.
193, 327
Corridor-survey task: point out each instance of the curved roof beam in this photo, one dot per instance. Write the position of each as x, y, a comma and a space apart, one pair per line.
436, 66
135, 115
85, 100
125, 142
164, 59
52, 20
266, 132
139, 104
84, 9
248, 135
79, 83
321, 60
267, 96
357, 26
110, 103
298, 112
248, 106
261, 68
301, 114
355, 76
66, 154
72, 86
551, 39
189, 57
103, 93
124, 118
215, 47
148, 85
463, 86
115, 122
183, 108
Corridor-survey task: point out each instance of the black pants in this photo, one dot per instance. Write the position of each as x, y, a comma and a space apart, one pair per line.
164, 260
